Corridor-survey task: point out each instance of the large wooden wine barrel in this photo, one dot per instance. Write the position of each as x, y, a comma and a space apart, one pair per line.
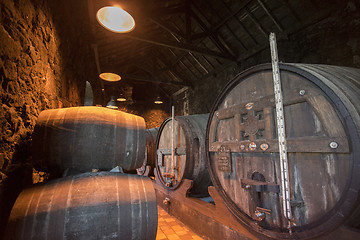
84, 138
189, 153
322, 124
150, 153
88, 206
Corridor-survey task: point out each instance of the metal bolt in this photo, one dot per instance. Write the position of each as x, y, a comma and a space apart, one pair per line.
264, 146
252, 146
259, 215
166, 201
334, 145
302, 92
249, 106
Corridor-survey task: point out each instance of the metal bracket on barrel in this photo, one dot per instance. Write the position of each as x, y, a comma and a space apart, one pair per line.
260, 186
224, 159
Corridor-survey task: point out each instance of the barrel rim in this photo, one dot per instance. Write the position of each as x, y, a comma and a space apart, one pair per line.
150, 136
347, 202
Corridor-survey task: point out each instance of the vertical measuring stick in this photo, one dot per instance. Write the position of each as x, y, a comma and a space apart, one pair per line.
285, 184
172, 140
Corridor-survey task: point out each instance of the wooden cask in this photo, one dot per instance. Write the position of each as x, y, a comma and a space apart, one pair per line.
189, 153
88, 206
150, 153
322, 124
84, 138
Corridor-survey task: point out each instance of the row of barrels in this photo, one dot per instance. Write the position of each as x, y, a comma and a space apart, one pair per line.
93, 200
236, 149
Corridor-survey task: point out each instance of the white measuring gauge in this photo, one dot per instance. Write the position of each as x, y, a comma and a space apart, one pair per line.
285, 184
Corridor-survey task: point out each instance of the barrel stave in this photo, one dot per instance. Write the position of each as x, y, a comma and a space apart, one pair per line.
88, 206
84, 138
190, 154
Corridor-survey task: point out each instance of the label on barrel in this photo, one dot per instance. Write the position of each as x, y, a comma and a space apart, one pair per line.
224, 159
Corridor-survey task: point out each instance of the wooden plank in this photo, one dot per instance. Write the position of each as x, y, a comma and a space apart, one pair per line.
300, 145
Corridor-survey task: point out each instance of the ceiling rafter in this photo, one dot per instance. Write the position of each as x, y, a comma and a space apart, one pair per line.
276, 22
239, 23
166, 27
182, 63
291, 10
167, 11
221, 23
171, 69
217, 34
258, 25
171, 44
188, 20
141, 78
212, 36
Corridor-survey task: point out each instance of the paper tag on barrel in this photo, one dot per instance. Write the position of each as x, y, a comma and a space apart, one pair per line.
224, 159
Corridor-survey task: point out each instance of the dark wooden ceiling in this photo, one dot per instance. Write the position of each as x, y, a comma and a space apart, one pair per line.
177, 43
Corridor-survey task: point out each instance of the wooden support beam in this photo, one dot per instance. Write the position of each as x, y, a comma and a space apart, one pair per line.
173, 45
188, 21
222, 22
167, 28
171, 69
291, 10
270, 15
143, 79
222, 47
166, 11
262, 30
181, 62
180, 91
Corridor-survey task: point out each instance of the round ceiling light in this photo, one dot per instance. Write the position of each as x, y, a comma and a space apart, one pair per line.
115, 19
158, 101
111, 77
121, 99
112, 104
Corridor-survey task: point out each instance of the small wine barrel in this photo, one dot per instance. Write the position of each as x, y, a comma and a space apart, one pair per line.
95, 206
150, 153
189, 153
84, 138
322, 123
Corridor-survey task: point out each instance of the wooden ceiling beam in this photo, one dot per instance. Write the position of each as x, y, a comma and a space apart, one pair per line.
173, 10
188, 20
174, 45
221, 23
172, 69
212, 36
167, 28
153, 80
239, 23
262, 30
276, 22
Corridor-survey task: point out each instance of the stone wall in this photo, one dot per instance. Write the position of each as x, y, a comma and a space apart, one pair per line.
38, 70
153, 114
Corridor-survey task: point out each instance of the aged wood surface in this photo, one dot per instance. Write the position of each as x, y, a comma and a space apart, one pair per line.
215, 221
84, 138
322, 157
189, 151
94, 206
150, 153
